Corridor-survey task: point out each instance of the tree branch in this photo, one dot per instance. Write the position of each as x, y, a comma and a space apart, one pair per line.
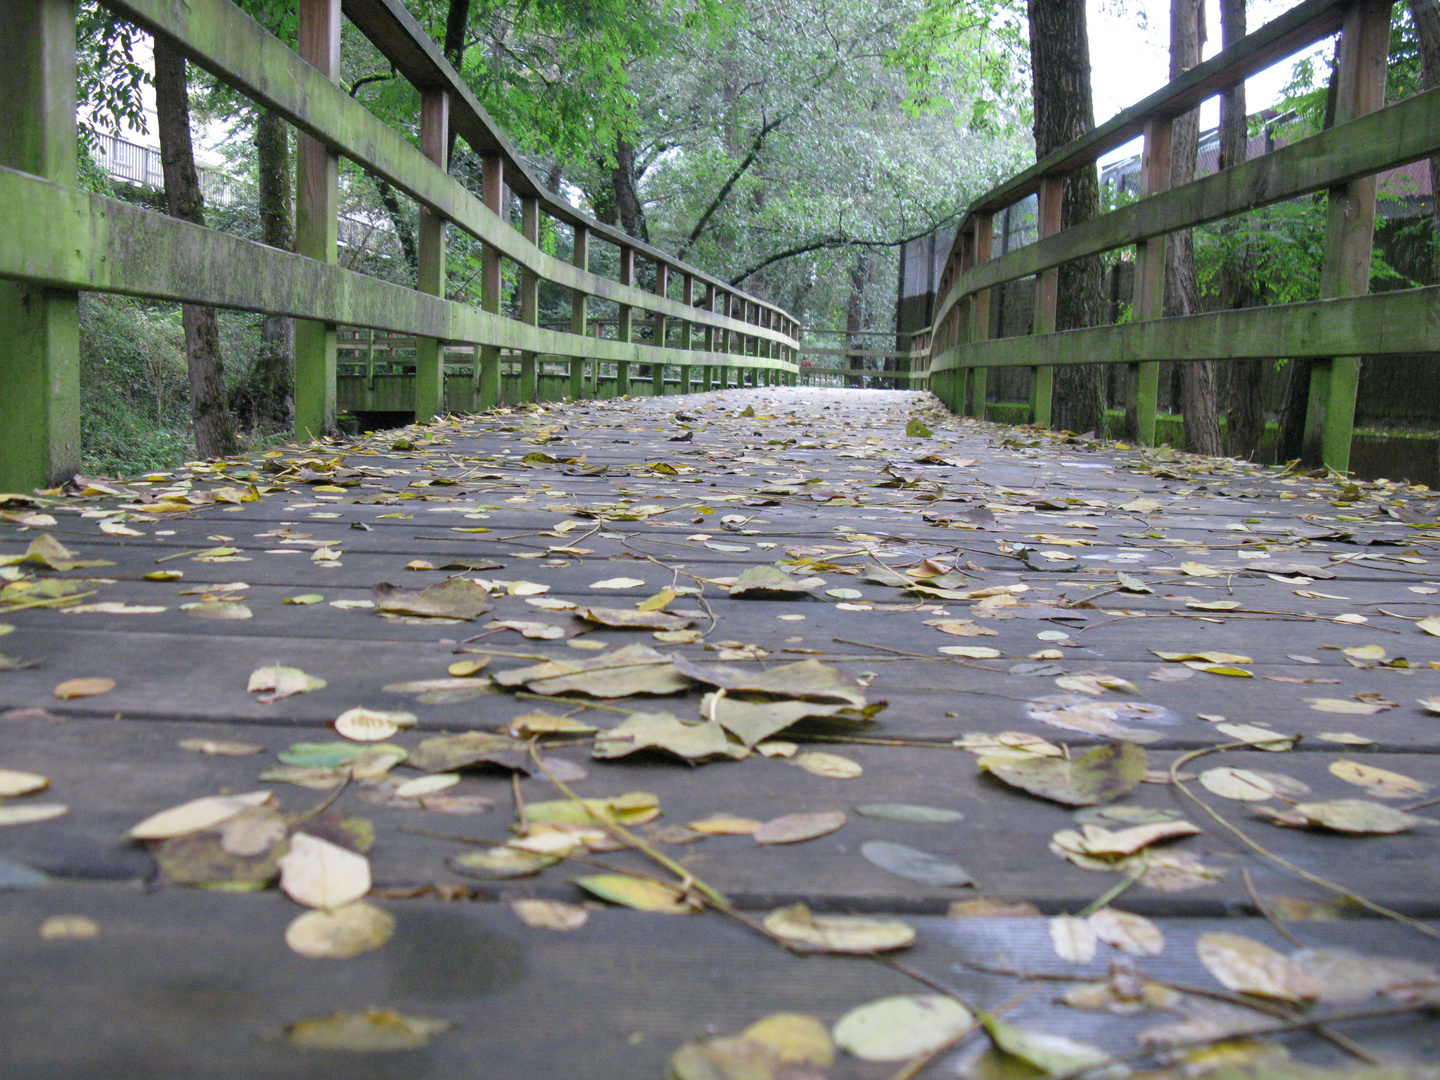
724, 192
825, 243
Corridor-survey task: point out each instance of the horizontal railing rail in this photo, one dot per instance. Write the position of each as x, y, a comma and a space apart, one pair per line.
96, 243
1334, 332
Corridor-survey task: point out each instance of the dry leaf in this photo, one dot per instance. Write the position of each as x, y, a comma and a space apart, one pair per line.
550, 914
642, 894
902, 1027
1248, 966
1381, 783
1349, 816
375, 1030
724, 825
28, 813
281, 682
372, 725
793, 828
83, 688
195, 815
342, 933
835, 766
797, 1039
14, 783
1128, 932
320, 874
1346, 707
1101, 775
1073, 938
839, 933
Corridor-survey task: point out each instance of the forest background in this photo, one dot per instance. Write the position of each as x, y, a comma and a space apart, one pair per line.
790, 149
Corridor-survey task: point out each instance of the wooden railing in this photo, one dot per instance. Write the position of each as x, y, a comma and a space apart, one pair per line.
57, 240
857, 363
1334, 331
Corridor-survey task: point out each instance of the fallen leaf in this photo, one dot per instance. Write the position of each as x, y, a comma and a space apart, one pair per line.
1101, 775
724, 825
372, 725
689, 740
501, 862
28, 813
375, 1030
1132, 934
320, 874
197, 814
617, 583
1050, 1054
909, 814
839, 933
550, 914
83, 688
454, 598
635, 669
1248, 966
347, 931
1261, 738
804, 679
1349, 816
13, 782
1073, 938
912, 863
794, 828
1346, 707
834, 766
447, 753
220, 747
632, 619
902, 1027
642, 894
796, 1038
68, 928
1381, 783
279, 682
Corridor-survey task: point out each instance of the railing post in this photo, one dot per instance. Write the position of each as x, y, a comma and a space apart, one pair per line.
979, 318
39, 327
625, 322
709, 335
657, 335
1349, 232
579, 316
687, 297
316, 221
1046, 295
487, 367
529, 298
430, 261
1149, 296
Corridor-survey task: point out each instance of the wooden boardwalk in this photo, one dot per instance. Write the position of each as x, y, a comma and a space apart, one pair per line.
1066, 566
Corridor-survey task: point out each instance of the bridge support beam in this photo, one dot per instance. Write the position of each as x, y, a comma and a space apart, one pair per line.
317, 201
39, 327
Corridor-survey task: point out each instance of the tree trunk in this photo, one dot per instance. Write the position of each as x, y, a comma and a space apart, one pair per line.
457, 23
1197, 377
1426, 14
619, 202
209, 410
1245, 417
270, 392
1064, 110
855, 318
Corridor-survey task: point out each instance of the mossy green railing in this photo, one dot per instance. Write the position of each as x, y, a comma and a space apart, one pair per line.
57, 240
1335, 332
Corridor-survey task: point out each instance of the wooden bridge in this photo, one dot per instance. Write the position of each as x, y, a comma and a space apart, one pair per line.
1121, 758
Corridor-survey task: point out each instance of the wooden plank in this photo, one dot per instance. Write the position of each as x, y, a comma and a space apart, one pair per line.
1156, 169
1047, 284
39, 326
1393, 323
1401, 133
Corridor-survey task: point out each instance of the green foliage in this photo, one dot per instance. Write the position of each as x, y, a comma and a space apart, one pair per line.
134, 405
109, 83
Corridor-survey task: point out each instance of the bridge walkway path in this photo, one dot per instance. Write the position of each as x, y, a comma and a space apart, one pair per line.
828, 551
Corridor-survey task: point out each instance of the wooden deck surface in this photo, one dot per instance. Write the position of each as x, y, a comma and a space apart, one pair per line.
1096, 560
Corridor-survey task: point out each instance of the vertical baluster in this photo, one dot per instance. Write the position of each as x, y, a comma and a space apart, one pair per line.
980, 317
529, 298
430, 275
1046, 285
487, 371
657, 335
687, 297
317, 200
1149, 295
625, 321
579, 317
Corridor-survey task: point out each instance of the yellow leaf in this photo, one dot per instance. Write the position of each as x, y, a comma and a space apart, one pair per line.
550, 914
834, 766
839, 933
372, 725
658, 602
724, 825
795, 1038
642, 894
195, 815
347, 931
1382, 783
68, 928
1251, 967
82, 688
20, 783
320, 874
